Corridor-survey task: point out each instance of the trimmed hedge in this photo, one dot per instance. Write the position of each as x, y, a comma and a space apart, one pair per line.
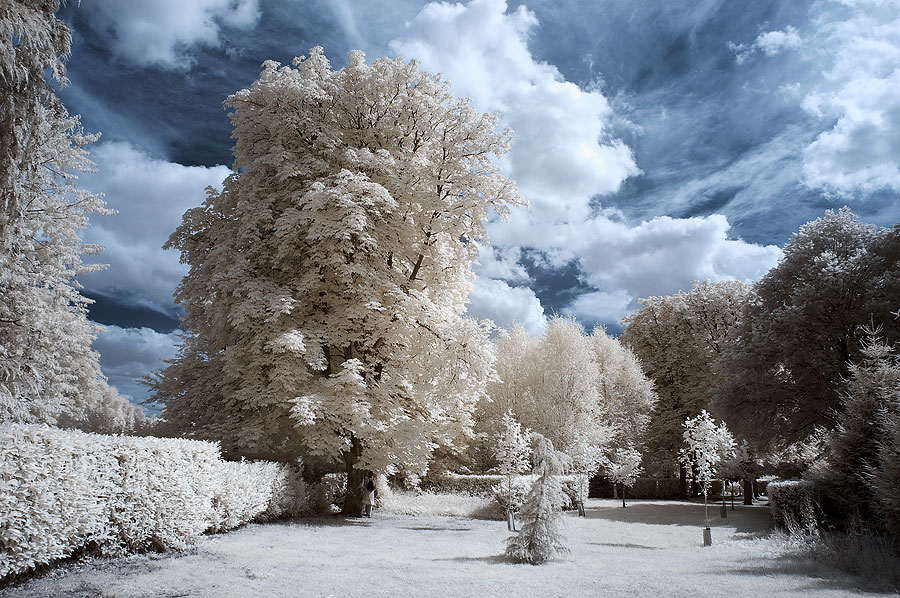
495, 485
62, 490
793, 504
644, 488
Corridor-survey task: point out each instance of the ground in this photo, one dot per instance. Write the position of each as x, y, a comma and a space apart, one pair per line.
650, 548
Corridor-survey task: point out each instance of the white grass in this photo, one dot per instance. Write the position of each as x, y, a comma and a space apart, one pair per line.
650, 548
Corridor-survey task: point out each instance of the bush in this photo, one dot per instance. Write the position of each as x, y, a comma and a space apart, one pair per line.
794, 504
521, 486
64, 490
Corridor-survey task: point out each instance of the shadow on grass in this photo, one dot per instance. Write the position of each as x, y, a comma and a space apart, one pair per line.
816, 576
754, 520
613, 545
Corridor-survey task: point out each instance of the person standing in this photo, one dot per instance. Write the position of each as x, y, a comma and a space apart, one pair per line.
368, 494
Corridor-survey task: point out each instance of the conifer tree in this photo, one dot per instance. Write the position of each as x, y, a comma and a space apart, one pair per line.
541, 538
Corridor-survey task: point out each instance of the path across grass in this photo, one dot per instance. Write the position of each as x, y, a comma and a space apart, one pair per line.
649, 549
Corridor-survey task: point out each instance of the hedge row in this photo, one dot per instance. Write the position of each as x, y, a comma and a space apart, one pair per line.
793, 504
644, 488
495, 485
61, 490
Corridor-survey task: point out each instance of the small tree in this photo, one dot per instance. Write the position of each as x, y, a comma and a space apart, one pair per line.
624, 467
707, 444
541, 538
513, 453
587, 458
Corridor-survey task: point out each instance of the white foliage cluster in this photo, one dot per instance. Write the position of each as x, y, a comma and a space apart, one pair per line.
624, 466
541, 537
706, 446
330, 276
48, 372
64, 489
583, 392
513, 451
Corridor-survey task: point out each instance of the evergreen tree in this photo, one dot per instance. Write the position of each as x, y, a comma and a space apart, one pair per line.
540, 538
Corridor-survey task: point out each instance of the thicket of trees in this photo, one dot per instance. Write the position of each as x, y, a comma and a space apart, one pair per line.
803, 326
581, 391
678, 340
48, 372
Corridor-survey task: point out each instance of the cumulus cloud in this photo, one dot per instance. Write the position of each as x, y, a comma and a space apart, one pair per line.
563, 153
502, 263
659, 257
150, 196
506, 305
129, 354
162, 32
770, 43
851, 86
859, 92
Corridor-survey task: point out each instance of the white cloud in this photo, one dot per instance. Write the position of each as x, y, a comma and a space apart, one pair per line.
600, 306
506, 305
501, 262
151, 196
659, 257
129, 354
162, 32
562, 154
775, 42
770, 43
858, 91
851, 84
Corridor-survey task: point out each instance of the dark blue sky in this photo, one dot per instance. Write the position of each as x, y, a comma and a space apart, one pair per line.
658, 142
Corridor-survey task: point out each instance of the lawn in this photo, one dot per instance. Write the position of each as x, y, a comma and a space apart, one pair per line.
650, 548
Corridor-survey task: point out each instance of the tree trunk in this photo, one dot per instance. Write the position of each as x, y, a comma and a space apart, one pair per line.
353, 498
623, 495
682, 475
748, 492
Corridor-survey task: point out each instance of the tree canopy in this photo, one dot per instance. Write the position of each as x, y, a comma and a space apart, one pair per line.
328, 278
48, 372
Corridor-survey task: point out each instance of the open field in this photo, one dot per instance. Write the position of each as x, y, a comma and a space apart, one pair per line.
650, 548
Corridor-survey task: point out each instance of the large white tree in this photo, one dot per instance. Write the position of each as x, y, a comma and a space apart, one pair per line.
551, 384
329, 277
48, 372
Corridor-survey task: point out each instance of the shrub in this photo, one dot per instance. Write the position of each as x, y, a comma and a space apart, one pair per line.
794, 505
63, 490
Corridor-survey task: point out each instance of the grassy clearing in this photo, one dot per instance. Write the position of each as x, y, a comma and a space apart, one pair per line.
650, 548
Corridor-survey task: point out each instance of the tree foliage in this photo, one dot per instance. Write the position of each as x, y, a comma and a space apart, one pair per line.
678, 340
571, 387
706, 445
541, 538
859, 469
328, 278
802, 327
48, 372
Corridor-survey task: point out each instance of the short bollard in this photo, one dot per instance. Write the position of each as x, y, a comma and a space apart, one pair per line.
707, 537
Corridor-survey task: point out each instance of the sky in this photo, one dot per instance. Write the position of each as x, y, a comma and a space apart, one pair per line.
657, 143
